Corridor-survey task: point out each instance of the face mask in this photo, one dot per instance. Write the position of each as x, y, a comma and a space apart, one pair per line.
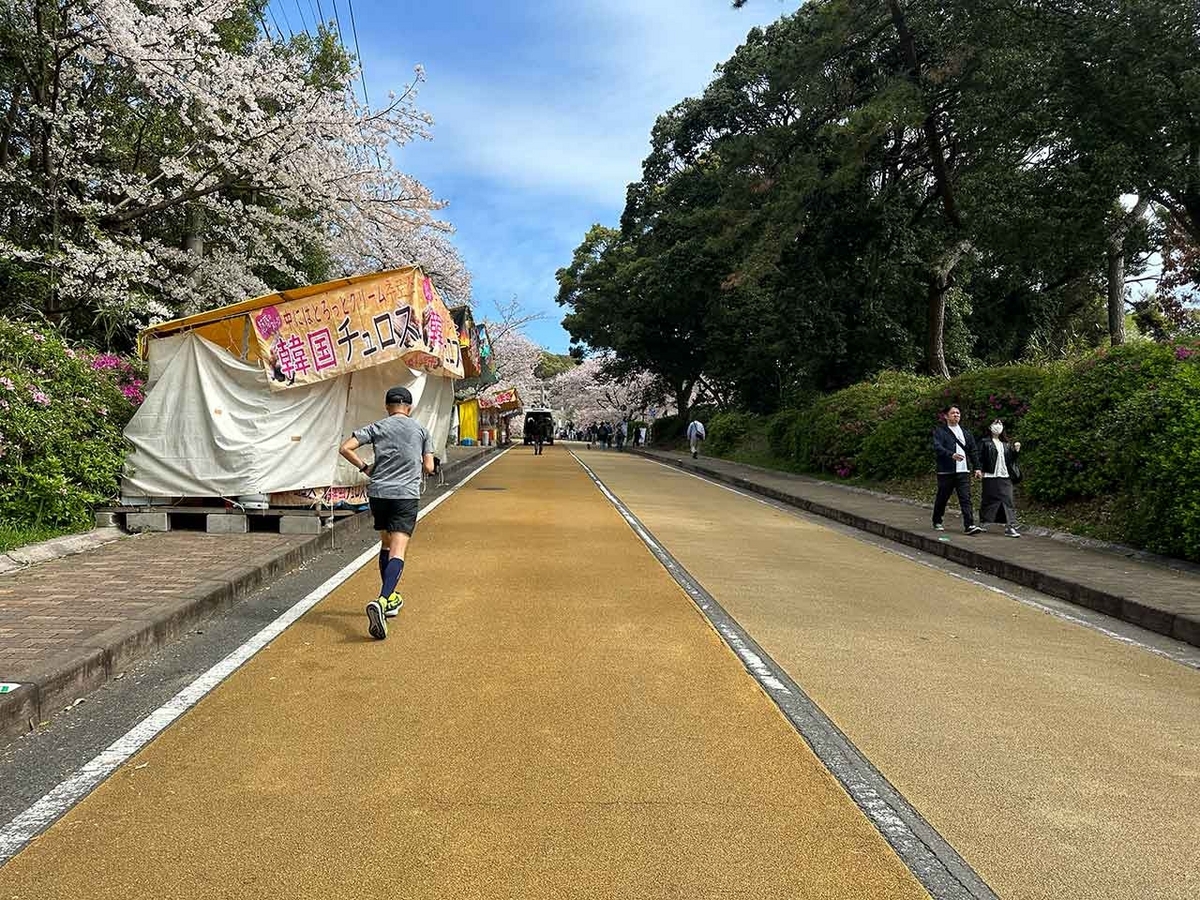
997, 429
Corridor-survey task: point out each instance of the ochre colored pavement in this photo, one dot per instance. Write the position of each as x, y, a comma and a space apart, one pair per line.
550, 718
1059, 762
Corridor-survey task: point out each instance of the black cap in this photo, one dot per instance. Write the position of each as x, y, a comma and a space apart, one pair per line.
398, 396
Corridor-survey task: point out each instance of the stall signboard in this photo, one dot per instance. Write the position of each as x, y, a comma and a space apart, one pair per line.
468, 342
397, 316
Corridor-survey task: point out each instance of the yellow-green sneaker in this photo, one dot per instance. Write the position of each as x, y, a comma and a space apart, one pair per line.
376, 623
392, 605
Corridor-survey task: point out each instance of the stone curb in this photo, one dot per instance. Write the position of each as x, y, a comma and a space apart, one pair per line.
1181, 628
88, 667
23, 557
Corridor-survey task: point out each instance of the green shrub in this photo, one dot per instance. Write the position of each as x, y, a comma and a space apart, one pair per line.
781, 433
725, 429
667, 431
828, 436
61, 415
1154, 435
900, 447
1068, 452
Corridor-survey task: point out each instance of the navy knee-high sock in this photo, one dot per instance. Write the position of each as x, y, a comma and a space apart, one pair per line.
391, 575
383, 561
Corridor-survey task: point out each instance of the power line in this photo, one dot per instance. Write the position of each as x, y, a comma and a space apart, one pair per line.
362, 72
303, 20
286, 21
321, 12
266, 28
271, 12
338, 20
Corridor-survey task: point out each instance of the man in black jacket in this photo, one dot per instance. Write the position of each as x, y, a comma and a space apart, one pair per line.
957, 458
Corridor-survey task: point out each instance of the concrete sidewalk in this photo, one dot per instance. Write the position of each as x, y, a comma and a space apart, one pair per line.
69, 624
1159, 595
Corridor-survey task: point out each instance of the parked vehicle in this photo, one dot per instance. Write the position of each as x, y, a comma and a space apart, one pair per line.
539, 417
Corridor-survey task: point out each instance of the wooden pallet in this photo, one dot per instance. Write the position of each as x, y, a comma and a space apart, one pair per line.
219, 519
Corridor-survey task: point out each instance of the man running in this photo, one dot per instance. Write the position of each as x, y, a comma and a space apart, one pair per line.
403, 448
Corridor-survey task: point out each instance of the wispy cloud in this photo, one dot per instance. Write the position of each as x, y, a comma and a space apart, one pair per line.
543, 114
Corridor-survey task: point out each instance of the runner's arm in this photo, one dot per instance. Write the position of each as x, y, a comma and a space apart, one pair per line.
347, 451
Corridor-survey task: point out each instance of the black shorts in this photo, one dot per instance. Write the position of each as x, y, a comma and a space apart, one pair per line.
394, 515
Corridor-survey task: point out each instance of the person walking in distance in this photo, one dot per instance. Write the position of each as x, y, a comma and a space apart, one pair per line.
957, 457
998, 456
695, 436
403, 450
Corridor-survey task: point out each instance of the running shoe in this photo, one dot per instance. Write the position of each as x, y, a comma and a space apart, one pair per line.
376, 623
938, 526
976, 529
1011, 532
392, 606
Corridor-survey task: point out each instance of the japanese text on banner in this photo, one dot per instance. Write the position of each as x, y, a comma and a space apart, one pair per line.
393, 317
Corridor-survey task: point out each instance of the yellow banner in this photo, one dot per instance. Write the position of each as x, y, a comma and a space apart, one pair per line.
393, 317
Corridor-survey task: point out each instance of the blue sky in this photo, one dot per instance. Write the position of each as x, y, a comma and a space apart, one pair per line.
543, 111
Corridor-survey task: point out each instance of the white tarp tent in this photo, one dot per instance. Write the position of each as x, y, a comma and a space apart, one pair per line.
213, 426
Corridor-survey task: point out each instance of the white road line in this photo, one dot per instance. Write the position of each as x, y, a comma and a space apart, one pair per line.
935, 863
46, 811
1185, 658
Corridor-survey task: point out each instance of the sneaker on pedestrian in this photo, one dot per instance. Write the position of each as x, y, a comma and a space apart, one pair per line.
1010, 531
975, 529
392, 606
376, 623
938, 526
694, 454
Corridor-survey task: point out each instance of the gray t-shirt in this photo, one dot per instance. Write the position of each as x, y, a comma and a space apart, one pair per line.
400, 447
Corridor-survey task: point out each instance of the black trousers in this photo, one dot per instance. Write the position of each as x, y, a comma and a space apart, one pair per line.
955, 482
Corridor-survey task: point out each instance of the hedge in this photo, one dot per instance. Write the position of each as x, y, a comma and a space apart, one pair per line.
1120, 423
1069, 451
62, 410
900, 446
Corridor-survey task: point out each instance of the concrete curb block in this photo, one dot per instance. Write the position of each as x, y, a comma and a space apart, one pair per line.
87, 668
1181, 628
1066, 537
23, 557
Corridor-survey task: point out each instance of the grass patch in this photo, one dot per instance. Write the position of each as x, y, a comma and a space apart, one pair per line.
13, 536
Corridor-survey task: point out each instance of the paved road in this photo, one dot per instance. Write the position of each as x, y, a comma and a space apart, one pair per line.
1059, 762
552, 717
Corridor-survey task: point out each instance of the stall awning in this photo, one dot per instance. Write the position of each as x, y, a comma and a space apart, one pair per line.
323, 331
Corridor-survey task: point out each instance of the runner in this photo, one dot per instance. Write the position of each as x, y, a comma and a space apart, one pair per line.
403, 449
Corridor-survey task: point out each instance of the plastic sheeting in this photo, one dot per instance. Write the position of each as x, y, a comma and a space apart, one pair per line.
211, 427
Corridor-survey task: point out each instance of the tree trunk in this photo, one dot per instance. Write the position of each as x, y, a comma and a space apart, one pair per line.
939, 284
1116, 272
1116, 294
683, 398
193, 234
10, 122
935, 347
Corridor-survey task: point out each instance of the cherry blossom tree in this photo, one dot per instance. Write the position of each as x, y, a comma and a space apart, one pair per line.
516, 359
162, 156
587, 393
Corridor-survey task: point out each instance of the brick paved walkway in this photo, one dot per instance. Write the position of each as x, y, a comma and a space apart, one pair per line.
69, 624
61, 605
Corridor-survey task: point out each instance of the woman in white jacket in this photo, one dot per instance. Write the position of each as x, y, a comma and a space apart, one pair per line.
998, 459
